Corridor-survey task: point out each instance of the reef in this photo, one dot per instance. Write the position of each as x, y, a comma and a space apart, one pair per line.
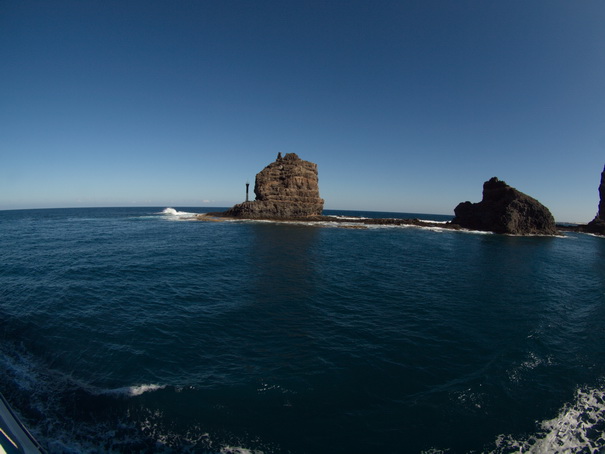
286, 188
504, 209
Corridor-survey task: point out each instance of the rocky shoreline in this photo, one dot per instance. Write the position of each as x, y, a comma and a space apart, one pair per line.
287, 190
351, 222
590, 228
218, 216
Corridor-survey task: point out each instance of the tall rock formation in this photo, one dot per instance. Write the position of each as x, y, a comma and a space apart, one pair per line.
504, 209
286, 188
601, 214
597, 225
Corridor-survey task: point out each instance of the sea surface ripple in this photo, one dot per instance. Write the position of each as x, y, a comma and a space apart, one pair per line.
143, 330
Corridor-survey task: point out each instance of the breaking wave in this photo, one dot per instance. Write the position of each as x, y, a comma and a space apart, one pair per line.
171, 212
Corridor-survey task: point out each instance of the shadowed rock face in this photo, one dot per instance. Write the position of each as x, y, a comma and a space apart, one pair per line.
286, 188
601, 214
597, 225
505, 210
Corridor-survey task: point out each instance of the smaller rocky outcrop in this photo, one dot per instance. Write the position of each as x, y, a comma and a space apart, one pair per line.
597, 225
286, 188
504, 209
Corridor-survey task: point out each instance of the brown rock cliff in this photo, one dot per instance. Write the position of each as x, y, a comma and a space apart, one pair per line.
286, 188
504, 209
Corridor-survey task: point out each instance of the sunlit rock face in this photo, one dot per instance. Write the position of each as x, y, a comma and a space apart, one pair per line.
504, 209
286, 188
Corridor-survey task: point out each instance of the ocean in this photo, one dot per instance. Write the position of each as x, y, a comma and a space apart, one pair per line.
127, 330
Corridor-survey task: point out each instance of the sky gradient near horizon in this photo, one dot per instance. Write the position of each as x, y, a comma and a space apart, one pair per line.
405, 106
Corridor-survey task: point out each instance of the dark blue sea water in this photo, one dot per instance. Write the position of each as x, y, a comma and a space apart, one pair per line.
138, 330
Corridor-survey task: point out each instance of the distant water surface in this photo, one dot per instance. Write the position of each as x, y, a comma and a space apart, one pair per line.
142, 330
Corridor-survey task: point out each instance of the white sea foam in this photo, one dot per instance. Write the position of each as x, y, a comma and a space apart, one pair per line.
577, 428
173, 212
352, 218
475, 232
433, 222
594, 235
238, 450
133, 391
362, 226
532, 361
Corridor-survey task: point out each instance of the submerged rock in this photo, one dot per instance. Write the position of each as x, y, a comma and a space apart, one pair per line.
286, 188
504, 209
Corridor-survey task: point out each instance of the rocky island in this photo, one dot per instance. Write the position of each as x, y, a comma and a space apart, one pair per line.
504, 209
287, 188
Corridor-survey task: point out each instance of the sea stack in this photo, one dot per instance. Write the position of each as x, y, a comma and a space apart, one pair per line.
504, 209
286, 188
597, 225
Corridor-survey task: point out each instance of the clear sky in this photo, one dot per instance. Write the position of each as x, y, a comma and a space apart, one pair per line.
405, 106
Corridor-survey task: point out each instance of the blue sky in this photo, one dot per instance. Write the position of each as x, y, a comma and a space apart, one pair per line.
405, 106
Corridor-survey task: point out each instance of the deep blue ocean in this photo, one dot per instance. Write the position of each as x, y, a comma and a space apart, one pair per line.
143, 330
